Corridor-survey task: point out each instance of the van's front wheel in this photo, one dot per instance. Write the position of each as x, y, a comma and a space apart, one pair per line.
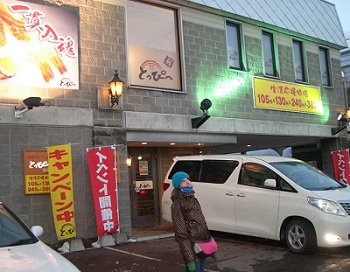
301, 237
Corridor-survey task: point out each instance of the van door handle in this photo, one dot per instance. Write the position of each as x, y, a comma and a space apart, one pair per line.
241, 195
229, 194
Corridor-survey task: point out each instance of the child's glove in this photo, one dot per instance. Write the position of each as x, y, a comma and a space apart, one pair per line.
215, 257
191, 266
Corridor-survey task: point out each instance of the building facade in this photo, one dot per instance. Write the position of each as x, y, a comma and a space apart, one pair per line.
271, 72
345, 66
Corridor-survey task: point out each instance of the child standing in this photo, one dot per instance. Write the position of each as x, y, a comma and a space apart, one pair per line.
188, 220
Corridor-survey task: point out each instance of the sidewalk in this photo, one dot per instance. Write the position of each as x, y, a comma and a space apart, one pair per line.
147, 250
165, 230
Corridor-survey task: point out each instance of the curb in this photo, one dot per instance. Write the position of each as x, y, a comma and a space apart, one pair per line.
154, 237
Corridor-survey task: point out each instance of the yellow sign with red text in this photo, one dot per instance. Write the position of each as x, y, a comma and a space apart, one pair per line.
278, 95
61, 189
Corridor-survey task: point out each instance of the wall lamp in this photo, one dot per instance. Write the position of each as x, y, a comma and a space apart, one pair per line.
28, 104
343, 122
129, 161
204, 106
116, 89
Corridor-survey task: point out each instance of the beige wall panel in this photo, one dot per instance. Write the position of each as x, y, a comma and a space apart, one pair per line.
201, 18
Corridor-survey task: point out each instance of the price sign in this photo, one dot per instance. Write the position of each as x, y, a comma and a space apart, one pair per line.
278, 95
36, 177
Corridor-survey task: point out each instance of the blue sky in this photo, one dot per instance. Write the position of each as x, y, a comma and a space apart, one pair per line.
343, 9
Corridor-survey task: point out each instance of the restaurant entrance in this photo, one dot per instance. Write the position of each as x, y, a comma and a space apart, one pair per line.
144, 188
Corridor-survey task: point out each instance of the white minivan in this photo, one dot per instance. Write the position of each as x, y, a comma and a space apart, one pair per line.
271, 197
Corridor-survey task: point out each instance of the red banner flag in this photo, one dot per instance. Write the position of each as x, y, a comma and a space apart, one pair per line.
341, 165
102, 167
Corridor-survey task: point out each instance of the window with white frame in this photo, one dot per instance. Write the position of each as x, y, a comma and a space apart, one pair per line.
325, 66
235, 48
299, 61
269, 54
153, 46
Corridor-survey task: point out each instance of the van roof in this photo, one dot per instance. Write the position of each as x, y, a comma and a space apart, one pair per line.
266, 158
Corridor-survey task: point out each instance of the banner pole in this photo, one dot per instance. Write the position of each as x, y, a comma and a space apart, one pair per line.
103, 146
116, 169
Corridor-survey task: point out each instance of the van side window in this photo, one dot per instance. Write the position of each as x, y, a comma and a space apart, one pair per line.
253, 174
217, 171
192, 168
285, 186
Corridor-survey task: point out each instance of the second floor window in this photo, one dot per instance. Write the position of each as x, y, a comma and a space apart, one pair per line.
299, 62
269, 54
325, 66
234, 46
153, 46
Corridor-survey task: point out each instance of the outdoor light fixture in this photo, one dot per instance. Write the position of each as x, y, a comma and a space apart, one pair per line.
116, 89
342, 117
343, 122
28, 104
129, 161
205, 105
198, 121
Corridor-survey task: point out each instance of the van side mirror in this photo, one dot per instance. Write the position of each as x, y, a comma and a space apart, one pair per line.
37, 230
270, 183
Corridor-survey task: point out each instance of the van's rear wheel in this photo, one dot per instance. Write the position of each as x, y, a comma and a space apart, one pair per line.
301, 237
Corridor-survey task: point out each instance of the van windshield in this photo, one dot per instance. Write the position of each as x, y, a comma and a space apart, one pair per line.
307, 176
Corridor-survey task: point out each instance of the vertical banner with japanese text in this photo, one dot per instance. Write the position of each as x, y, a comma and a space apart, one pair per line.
61, 188
341, 165
102, 166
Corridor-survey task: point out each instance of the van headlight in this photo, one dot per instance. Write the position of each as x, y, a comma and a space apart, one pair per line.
326, 206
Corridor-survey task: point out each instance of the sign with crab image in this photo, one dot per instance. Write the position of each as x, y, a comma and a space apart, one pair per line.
38, 46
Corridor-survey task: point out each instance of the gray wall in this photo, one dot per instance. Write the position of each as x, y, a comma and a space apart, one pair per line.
206, 65
74, 118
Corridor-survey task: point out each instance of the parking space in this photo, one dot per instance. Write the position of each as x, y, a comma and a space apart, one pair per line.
237, 253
